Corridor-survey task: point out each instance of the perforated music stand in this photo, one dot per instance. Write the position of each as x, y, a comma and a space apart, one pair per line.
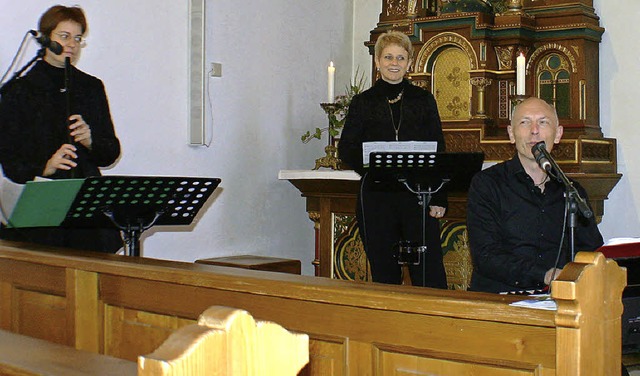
135, 203
422, 170
425, 174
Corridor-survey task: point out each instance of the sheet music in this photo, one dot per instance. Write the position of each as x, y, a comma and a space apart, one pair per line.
9, 194
543, 301
396, 147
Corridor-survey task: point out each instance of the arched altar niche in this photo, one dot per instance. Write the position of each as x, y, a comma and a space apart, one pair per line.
553, 68
446, 60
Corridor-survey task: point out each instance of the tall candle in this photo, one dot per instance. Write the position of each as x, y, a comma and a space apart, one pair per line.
520, 72
331, 86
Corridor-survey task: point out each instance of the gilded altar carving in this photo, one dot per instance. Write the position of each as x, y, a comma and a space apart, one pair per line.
411, 10
481, 83
396, 7
457, 257
451, 85
596, 150
350, 260
553, 47
449, 57
315, 218
426, 53
504, 54
421, 83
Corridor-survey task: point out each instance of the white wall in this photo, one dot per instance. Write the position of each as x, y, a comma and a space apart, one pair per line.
619, 93
274, 55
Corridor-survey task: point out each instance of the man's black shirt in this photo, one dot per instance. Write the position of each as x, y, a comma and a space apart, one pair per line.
515, 229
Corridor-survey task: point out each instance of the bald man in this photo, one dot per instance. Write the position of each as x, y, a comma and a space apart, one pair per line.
516, 212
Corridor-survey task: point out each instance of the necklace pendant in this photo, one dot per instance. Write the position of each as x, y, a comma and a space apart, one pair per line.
396, 134
396, 99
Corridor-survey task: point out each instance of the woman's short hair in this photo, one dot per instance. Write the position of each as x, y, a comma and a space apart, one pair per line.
393, 37
59, 13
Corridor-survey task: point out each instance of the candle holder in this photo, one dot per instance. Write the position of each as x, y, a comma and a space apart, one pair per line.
330, 160
517, 99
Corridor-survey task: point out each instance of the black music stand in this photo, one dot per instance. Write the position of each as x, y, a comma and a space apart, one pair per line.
135, 203
424, 174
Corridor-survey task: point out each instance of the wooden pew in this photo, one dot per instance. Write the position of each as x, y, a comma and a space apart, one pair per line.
22, 355
228, 341
125, 307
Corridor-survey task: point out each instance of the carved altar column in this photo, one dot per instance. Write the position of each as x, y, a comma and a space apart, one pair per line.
481, 83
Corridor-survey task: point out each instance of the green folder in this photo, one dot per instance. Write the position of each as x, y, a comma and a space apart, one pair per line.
44, 203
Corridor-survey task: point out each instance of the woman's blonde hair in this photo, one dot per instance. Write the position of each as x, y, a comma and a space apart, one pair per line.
393, 37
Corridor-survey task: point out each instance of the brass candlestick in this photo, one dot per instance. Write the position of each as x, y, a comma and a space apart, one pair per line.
517, 99
330, 160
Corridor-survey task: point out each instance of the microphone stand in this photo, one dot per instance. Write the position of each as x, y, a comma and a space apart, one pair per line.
424, 198
39, 55
67, 93
575, 201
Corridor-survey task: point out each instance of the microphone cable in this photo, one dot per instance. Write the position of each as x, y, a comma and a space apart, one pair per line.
363, 226
561, 246
15, 59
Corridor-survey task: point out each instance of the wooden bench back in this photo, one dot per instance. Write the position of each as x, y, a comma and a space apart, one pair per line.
228, 341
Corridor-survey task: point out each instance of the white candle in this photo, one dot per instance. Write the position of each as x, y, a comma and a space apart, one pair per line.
331, 86
520, 72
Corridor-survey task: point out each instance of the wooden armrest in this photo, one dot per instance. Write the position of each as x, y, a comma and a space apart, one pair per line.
22, 355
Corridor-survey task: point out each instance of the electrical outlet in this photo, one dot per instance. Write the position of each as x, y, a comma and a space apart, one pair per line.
216, 70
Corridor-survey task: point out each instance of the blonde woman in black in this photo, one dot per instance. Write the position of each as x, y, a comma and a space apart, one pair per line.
393, 109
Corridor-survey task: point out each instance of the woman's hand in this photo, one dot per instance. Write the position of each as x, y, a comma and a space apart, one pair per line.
62, 159
80, 131
437, 211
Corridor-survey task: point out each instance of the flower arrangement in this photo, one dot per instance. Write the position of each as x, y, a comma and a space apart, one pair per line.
337, 111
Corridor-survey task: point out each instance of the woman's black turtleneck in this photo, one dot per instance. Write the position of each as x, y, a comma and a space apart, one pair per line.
391, 92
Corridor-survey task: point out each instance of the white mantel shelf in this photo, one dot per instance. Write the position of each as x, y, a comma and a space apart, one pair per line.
318, 175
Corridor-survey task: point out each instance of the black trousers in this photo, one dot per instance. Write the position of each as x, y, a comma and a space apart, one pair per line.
387, 217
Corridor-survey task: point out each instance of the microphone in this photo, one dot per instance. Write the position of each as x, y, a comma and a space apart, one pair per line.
46, 42
541, 154
547, 163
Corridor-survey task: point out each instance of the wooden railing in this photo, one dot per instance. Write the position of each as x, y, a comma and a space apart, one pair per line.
126, 307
